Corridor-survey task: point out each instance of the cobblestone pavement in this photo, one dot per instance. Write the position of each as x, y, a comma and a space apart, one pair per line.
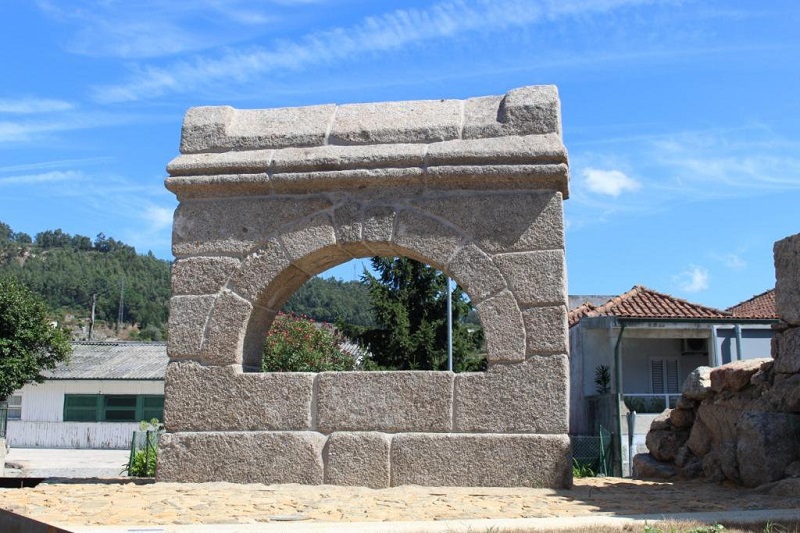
124, 502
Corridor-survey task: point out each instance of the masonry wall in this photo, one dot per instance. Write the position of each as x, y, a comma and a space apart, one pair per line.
269, 198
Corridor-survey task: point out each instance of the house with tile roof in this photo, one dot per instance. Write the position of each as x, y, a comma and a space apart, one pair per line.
650, 342
96, 400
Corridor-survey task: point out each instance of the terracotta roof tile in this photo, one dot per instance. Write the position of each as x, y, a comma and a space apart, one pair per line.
759, 306
641, 302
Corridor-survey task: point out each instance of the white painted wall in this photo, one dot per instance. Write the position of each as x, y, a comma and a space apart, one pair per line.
42, 426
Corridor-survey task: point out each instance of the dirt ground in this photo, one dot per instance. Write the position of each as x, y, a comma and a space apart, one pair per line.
116, 502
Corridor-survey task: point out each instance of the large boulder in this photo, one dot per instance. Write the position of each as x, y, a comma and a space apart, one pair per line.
697, 385
766, 443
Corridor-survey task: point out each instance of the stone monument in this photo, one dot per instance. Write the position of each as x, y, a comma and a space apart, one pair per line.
270, 197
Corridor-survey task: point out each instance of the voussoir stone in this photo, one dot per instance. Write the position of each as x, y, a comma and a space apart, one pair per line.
242, 457
503, 328
428, 239
787, 274
384, 401
358, 459
535, 277
528, 397
241, 401
466, 460
476, 273
187, 320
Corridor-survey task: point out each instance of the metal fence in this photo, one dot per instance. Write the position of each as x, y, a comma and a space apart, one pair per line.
144, 453
592, 455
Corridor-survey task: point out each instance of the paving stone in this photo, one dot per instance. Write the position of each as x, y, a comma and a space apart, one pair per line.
453, 459
241, 401
242, 457
384, 401
357, 459
529, 397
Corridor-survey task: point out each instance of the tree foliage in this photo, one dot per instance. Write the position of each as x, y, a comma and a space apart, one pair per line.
67, 270
334, 301
297, 344
409, 301
28, 343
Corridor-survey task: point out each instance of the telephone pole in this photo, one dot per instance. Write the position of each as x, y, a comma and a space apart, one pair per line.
91, 321
121, 303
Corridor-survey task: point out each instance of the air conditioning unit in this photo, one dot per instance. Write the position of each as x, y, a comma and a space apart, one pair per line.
695, 346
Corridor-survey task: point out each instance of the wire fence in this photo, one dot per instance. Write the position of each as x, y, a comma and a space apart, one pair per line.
144, 453
592, 455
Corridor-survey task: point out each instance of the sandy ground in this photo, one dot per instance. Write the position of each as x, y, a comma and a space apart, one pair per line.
115, 502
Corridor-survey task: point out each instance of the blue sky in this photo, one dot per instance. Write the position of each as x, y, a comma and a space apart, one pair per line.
680, 117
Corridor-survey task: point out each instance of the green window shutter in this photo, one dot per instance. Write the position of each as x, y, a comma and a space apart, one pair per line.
120, 408
82, 407
152, 407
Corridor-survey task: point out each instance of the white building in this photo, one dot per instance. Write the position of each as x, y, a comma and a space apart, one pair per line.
95, 401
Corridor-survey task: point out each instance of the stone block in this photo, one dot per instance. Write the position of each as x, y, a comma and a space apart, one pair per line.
235, 225
787, 360
476, 273
531, 149
736, 375
535, 278
766, 443
188, 188
378, 223
308, 237
503, 328
544, 177
503, 221
384, 401
333, 158
368, 179
199, 398
481, 460
529, 397
358, 459
425, 238
187, 320
546, 330
523, 111
242, 457
697, 385
224, 333
645, 466
347, 221
421, 121
202, 275
787, 274
225, 163
205, 128
260, 269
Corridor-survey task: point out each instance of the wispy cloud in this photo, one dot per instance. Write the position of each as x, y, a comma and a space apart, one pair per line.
26, 106
376, 34
693, 279
46, 177
609, 182
730, 260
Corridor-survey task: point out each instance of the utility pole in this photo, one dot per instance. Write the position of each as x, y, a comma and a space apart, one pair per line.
449, 325
91, 322
121, 303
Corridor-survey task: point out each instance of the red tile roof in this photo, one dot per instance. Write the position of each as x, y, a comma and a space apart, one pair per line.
759, 306
641, 302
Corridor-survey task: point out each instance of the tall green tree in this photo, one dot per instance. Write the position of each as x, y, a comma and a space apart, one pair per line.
28, 343
409, 301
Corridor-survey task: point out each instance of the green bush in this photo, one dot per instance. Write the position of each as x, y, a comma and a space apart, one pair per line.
297, 344
144, 463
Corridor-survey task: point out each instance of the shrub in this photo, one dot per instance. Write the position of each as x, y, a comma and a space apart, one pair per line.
297, 344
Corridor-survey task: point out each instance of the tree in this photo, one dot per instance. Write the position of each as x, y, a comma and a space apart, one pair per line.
28, 343
409, 300
297, 344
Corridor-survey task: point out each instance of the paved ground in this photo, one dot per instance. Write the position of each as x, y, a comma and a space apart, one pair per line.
122, 505
48, 462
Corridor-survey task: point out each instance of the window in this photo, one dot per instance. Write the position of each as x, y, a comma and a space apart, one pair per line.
15, 407
664, 376
112, 407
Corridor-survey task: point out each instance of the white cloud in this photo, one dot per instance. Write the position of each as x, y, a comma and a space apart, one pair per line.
158, 217
609, 182
693, 279
374, 34
25, 106
731, 260
45, 177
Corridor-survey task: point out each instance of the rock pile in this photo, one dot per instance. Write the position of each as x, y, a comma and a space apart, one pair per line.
739, 421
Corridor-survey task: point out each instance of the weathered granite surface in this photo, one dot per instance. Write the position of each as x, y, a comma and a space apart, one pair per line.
269, 198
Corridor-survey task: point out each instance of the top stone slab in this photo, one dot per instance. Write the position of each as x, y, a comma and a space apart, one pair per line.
525, 111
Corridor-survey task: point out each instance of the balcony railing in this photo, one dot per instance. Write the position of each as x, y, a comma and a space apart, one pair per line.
650, 403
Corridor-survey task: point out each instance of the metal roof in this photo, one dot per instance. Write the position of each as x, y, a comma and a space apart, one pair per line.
113, 360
